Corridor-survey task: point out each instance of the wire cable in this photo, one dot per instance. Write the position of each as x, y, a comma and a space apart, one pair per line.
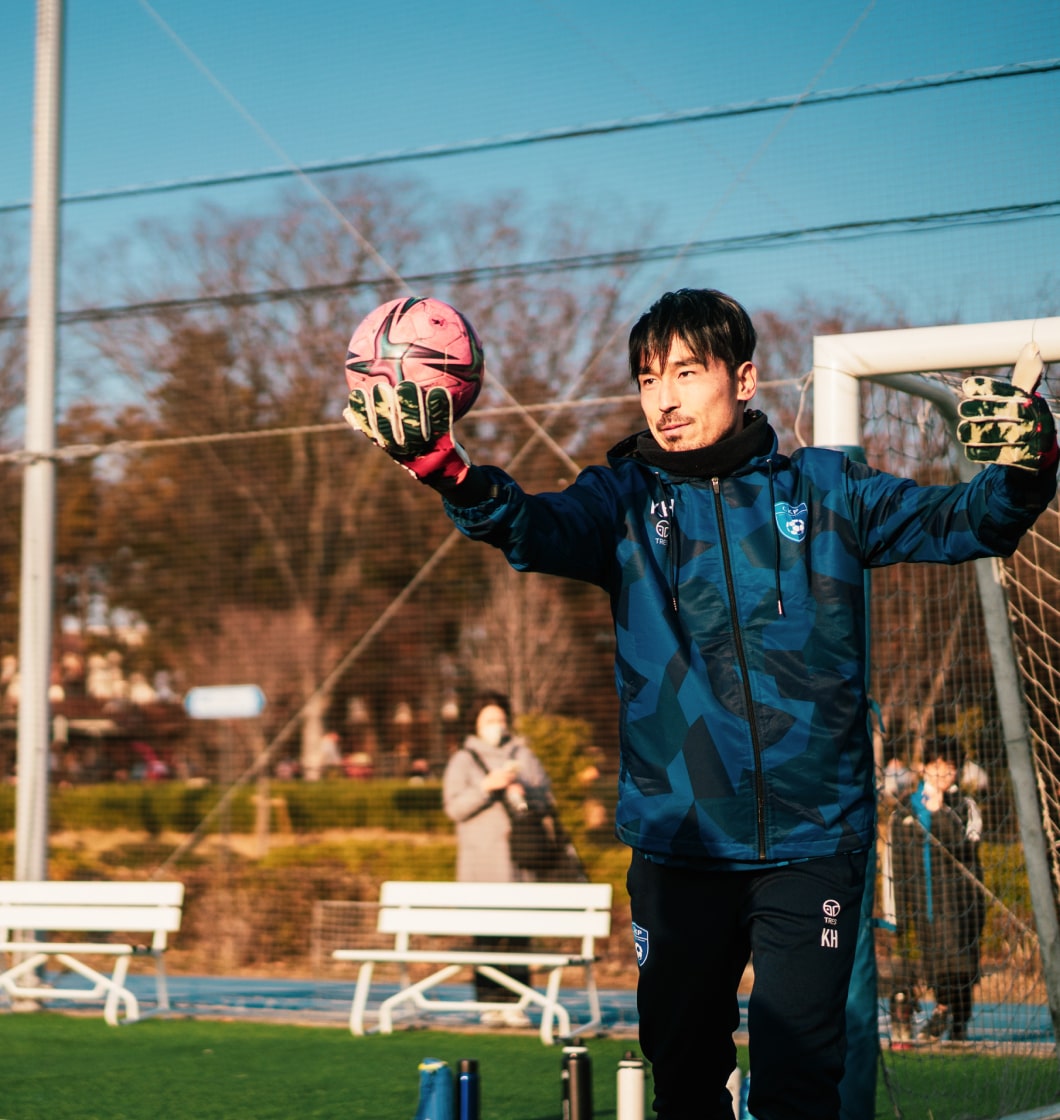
859, 228
565, 132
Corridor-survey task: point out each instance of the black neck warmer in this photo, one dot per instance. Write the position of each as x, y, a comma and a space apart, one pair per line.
719, 459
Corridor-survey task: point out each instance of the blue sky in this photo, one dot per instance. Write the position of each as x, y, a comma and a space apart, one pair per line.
239, 87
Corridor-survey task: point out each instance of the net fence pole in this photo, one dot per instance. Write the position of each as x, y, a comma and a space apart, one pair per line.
1021, 771
38, 490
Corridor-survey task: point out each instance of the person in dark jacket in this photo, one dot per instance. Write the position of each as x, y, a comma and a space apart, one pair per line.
938, 894
735, 574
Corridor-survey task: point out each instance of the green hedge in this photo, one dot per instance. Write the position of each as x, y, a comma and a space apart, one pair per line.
393, 805
158, 807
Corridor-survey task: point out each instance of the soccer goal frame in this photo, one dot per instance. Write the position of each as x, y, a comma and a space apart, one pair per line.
903, 360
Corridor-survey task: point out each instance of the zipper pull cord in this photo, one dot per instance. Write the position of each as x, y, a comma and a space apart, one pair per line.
671, 551
776, 543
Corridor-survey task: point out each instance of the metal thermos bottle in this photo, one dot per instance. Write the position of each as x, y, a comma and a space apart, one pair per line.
467, 1090
630, 1088
577, 1084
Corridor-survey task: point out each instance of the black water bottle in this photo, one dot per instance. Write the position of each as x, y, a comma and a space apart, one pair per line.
467, 1089
576, 1082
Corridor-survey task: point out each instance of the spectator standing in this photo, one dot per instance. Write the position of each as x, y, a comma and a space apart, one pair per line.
493, 775
935, 836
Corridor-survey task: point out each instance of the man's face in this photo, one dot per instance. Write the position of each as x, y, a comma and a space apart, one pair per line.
688, 404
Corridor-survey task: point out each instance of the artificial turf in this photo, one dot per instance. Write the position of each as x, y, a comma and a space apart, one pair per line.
65, 1067
56, 1066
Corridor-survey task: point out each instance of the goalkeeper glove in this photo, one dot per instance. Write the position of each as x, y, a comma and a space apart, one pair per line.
1008, 423
413, 427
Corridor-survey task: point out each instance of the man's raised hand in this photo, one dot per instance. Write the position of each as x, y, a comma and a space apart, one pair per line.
413, 427
1008, 422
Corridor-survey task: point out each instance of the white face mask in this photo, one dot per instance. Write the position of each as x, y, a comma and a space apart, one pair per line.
493, 734
491, 725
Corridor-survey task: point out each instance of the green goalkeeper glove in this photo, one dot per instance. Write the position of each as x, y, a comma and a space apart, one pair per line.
413, 427
1008, 423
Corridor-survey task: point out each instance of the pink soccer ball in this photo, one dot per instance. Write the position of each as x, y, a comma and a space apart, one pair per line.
421, 340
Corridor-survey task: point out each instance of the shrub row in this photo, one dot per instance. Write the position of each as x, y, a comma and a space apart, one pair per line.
301, 807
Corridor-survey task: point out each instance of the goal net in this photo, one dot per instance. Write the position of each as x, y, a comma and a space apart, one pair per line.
971, 653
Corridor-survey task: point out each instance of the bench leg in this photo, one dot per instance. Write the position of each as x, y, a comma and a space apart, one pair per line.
386, 1022
360, 998
553, 1009
20, 980
113, 985
161, 984
117, 993
594, 999
550, 1006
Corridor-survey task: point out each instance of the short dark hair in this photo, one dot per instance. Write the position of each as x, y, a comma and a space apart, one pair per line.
710, 323
942, 748
490, 699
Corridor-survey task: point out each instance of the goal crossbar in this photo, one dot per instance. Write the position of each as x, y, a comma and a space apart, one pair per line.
841, 360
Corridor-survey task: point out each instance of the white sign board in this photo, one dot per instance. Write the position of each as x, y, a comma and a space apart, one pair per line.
225, 701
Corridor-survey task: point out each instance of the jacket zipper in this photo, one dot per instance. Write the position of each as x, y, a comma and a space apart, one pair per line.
760, 787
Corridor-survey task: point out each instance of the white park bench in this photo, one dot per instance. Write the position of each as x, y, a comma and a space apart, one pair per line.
40, 920
428, 911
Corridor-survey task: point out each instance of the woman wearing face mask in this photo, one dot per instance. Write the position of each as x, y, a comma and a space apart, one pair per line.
492, 774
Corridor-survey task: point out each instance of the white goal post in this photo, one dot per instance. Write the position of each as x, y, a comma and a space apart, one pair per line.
902, 359
840, 360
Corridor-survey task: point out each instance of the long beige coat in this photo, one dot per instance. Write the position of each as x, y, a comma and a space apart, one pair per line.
483, 854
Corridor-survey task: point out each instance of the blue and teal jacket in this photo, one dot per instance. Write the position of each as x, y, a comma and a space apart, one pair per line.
739, 615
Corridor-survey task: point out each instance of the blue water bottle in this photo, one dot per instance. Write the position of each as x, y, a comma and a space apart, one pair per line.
436, 1091
467, 1089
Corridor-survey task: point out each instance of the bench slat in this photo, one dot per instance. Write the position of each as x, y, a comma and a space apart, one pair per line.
494, 923
92, 893
54, 948
470, 957
83, 915
498, 896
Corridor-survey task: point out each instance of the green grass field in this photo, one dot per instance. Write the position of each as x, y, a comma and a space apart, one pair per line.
74, 1067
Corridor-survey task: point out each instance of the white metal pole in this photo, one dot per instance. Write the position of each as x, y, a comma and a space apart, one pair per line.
836, 406
840, 360
925, 349
38, 491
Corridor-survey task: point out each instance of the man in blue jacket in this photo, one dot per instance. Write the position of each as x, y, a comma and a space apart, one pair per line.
735, 574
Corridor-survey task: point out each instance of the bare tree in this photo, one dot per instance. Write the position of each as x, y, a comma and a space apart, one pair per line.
311, 527
520, 641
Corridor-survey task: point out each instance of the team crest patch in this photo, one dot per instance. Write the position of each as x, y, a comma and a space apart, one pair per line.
791, 520
640, 944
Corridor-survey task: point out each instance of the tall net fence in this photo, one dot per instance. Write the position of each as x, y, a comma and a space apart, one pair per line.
305, 562
217, 526
932, 677
1032, 580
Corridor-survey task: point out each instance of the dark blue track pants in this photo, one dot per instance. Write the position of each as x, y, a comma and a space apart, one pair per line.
695, 932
